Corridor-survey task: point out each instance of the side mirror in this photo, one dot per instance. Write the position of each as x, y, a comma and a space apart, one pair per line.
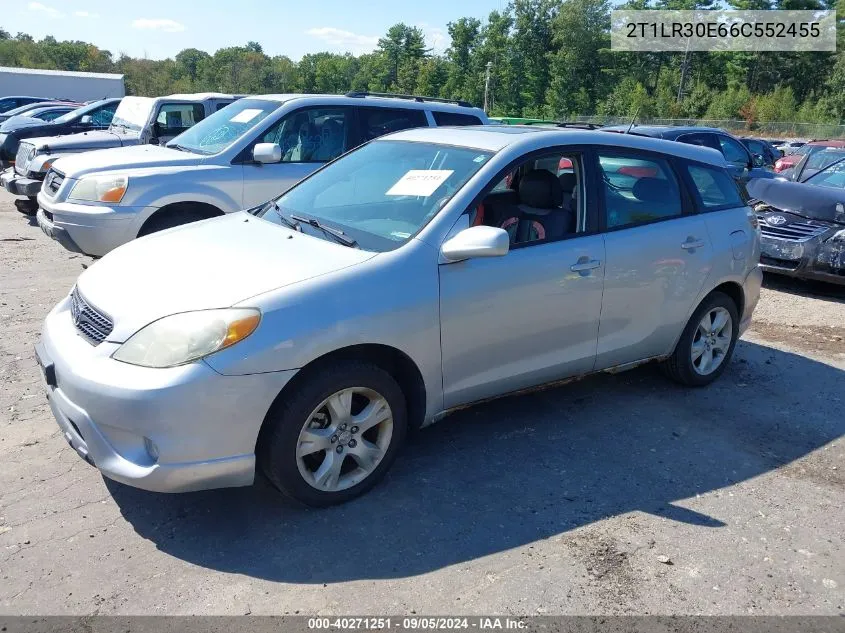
476, 241
154, 140
267, 153
86, 120
759, 161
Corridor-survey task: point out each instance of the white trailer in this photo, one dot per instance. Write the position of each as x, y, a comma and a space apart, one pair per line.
59, 84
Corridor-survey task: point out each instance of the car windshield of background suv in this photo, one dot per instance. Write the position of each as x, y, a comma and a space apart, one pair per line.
217, 132
381, 194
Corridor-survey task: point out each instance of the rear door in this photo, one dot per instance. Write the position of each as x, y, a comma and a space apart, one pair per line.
658, 255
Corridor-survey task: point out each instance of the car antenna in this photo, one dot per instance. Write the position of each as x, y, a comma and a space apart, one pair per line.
633, 119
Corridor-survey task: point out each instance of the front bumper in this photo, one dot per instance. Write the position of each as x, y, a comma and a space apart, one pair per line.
165, 430
18, 185
820, 258
90, 229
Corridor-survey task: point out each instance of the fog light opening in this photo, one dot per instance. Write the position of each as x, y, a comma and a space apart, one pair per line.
151, 448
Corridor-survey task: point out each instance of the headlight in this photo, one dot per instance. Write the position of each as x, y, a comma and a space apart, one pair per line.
182, 338
99, 189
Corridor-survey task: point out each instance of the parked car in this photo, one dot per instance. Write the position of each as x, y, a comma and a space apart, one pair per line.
789, 147
760, 147
94, 116
237, 158
137, 120
812, 163
10, 103
790, 160
742, 165
307, 337
803, 224
28, 108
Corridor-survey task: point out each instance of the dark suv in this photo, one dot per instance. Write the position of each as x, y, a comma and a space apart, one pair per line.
742, 164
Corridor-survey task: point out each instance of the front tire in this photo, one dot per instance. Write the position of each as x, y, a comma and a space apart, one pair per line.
707, 343
336, 435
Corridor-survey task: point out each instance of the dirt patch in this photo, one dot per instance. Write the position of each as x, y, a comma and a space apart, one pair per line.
817, 338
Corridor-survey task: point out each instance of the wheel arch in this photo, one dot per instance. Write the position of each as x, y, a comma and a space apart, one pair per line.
396, 362
734, 291
204, 208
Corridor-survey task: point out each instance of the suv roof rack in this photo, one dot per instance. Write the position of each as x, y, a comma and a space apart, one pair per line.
579, 126
354, 93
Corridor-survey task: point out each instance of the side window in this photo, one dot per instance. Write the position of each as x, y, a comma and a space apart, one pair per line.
220, 105
716, 189
705, 140
375, 122
103, 116
454, 118
734, 152
175, 118
638, 190
537, 202
311, 135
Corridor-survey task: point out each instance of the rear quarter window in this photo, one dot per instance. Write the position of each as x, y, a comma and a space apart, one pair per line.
714, 188
454, 118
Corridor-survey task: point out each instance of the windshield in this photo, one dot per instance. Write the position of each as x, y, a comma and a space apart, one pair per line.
133, 113
78, 113
820, 160
224, 127
832, 176
383, 193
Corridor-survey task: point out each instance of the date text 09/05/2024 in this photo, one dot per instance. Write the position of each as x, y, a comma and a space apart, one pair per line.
417, 623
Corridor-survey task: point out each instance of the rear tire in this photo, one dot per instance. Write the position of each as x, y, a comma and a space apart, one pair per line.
314, 446
707, 343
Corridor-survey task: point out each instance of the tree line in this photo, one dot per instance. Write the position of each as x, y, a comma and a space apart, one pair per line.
548, 58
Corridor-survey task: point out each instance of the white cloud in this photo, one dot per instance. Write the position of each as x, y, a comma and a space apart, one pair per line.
159, 24
50, 12
435, 38
344, 41
86, 14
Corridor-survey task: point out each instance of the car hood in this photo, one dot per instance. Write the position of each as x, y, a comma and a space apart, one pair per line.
809, 201
134, 157
82, 141
215, 263
20, 122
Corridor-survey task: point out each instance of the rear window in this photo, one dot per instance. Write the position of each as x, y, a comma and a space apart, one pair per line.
715, 188
377, 122
453, 118
638, 190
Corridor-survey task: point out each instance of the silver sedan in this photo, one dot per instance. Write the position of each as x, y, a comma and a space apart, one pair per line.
420, 273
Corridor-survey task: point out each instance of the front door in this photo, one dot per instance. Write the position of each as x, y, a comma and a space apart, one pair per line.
308, 138
531, 316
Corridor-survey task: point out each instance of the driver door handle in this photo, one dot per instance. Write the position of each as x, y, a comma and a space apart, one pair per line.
692, 244
584, 265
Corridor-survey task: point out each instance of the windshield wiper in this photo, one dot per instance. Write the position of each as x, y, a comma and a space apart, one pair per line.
339, 235
181, 148
292, 225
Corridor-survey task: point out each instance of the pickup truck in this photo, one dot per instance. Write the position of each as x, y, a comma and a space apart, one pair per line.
137, 121
240, 157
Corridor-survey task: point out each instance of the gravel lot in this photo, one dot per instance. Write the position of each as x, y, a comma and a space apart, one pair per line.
617, 494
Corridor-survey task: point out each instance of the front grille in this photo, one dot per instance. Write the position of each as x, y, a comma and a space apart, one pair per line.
53, 180
794, 231
26, 152
90, 322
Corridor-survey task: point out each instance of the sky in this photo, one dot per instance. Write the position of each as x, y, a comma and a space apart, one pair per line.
157, 29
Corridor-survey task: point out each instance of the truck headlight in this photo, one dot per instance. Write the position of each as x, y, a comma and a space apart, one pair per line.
99, 189
182, 338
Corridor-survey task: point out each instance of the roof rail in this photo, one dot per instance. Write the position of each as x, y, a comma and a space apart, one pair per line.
579, 126
354, 93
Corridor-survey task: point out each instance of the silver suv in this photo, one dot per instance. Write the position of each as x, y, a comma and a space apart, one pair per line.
426, 270
239, 157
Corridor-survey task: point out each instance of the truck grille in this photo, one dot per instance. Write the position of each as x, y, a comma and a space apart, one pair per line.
26, 153
52, 181
90, 322
794, 231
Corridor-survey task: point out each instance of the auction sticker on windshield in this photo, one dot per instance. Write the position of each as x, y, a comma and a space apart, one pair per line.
245, 116
419, 182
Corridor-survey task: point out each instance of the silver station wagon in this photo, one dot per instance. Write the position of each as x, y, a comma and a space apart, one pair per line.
422, 272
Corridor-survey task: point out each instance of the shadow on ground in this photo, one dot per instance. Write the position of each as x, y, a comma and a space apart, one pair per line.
507, 473
805, 287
